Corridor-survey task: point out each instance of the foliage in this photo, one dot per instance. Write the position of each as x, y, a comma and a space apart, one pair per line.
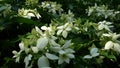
59, 34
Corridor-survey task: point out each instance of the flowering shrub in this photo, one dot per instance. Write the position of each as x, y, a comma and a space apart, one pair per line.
50, 36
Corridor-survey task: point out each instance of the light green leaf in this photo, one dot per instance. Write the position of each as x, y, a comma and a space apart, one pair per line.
51, 56
64, 33
42, 43
43, 62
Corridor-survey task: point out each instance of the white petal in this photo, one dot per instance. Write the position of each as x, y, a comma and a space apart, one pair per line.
93, 51
31, 14
101, 26
42, 43
55, 49
35, 49
116, 47
51, 56
107, 35
62, 52
44, 28
21, 45
70, 55
64, 33
27, 60
69, 50
38, 30
67, 60
95, 54
43, 62
60, 27
60, 61
108, 45
59, 32
53, 43
67, 44
68, 29
87, 57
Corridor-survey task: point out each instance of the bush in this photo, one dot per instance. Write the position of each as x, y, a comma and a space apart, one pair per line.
59, 34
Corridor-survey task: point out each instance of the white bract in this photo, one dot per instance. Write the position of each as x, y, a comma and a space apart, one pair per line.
64, 29
43, 62
28, 13
104, 25
93, 53
16, 55
27, 60
52, 7
66, 53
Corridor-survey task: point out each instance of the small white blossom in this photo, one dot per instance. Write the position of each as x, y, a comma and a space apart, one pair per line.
104, 25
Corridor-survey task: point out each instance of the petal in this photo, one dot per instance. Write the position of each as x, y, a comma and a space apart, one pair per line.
95, 54
51, 56
93, 51
87, 57
62, 52
42, 43
43, 62
67, 44
60, 61
38, 30
34, 49
108, 45
21, 45
64, 33
60, 27
116, 47
67, 60
55, 49
59, 32
70, 55
44, 28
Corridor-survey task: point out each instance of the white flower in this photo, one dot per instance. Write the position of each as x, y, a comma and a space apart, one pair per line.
104, 25
27, 60
28, 13
65, 55
112, 45
64, 29
93, 53
16, 55
114, 36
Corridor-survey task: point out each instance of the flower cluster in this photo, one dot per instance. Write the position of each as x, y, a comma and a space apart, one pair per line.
28, 13
101, 11
47, 44
52, 7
